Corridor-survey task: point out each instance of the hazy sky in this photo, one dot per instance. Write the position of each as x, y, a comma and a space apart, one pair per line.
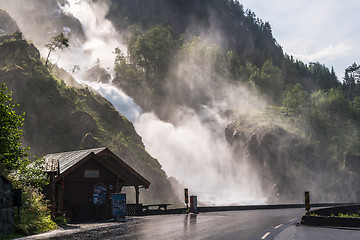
325, 31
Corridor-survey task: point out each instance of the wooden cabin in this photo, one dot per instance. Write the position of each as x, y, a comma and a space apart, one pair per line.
81, 182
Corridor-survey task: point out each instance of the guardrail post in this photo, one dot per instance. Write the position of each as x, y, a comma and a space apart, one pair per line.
186, 191
307, 202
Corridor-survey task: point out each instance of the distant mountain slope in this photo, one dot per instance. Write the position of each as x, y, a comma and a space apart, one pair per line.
61, 118
225, 21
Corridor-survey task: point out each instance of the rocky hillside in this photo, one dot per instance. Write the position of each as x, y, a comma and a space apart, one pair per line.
62, 118
288, 164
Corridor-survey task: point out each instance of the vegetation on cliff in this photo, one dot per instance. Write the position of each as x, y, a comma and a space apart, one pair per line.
62, 118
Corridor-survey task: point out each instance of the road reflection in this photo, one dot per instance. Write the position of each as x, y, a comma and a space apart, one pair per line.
190, 221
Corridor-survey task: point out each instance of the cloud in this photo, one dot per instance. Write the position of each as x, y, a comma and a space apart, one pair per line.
324, 30
329, 52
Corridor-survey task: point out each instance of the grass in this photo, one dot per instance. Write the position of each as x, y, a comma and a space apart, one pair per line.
346, 215
314, 214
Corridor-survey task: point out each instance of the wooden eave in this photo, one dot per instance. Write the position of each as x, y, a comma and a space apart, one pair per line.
140, 180
92, 155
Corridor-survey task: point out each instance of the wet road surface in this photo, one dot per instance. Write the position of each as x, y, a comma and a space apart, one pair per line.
251, 224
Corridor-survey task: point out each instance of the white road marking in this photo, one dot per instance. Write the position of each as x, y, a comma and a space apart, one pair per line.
292, 220
278, 226
265, 236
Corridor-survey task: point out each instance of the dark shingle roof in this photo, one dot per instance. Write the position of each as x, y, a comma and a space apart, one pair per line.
63, 163
68, 159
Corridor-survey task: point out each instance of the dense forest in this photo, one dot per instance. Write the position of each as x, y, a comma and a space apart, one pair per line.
183, 54
246, 50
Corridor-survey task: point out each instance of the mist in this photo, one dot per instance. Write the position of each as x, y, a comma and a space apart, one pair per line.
191, 146
188, 139
101, 37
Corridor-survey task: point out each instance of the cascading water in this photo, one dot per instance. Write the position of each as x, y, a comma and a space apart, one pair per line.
194, 151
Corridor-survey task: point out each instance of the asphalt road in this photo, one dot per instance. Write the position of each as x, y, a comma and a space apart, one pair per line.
250, 224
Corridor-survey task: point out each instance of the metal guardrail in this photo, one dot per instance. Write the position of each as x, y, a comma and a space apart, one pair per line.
243, 208
263, 207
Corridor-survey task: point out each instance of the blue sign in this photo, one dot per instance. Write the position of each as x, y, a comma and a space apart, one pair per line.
119, 205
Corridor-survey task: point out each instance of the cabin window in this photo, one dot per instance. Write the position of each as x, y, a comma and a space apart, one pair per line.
92, 173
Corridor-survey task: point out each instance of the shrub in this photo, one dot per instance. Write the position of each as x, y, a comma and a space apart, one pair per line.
34, 214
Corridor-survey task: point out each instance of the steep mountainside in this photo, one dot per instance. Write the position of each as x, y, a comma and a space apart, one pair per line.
288, 163
61, 118
174, 45
224, 21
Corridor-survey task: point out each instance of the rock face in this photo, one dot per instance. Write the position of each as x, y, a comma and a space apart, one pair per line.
7, 23
287, 165
6, 207
89, 141
97, 74
276, 156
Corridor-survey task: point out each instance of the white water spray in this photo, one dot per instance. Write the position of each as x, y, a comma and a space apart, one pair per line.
193, 151
101, 37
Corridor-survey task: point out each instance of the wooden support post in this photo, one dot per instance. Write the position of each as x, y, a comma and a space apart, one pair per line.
137, 192
61, 208
117, 188
52, 193
137, 206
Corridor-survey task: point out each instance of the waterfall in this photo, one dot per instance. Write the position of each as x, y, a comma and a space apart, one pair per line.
194, 151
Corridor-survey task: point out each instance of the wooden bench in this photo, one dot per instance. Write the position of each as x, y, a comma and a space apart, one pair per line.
159, 206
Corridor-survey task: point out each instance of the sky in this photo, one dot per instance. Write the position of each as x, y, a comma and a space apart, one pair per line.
325, 31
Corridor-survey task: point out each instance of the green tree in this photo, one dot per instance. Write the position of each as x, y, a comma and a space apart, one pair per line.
59, 41
17, 35
322, 77
153, 51
11, 150
351, 78
296, 98
233, 65
128, 73
35, 214
269, 80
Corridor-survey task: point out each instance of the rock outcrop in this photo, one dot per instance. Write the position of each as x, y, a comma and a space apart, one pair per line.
288, 165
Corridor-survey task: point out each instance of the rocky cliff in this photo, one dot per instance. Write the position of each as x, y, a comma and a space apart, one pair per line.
288, 165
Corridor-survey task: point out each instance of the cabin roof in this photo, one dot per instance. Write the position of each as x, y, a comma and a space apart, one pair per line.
67, 159
65, 162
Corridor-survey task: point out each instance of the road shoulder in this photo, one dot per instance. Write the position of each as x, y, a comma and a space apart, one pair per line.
300, 232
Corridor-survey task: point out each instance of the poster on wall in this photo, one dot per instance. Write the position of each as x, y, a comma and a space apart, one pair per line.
119, 205
99, 195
